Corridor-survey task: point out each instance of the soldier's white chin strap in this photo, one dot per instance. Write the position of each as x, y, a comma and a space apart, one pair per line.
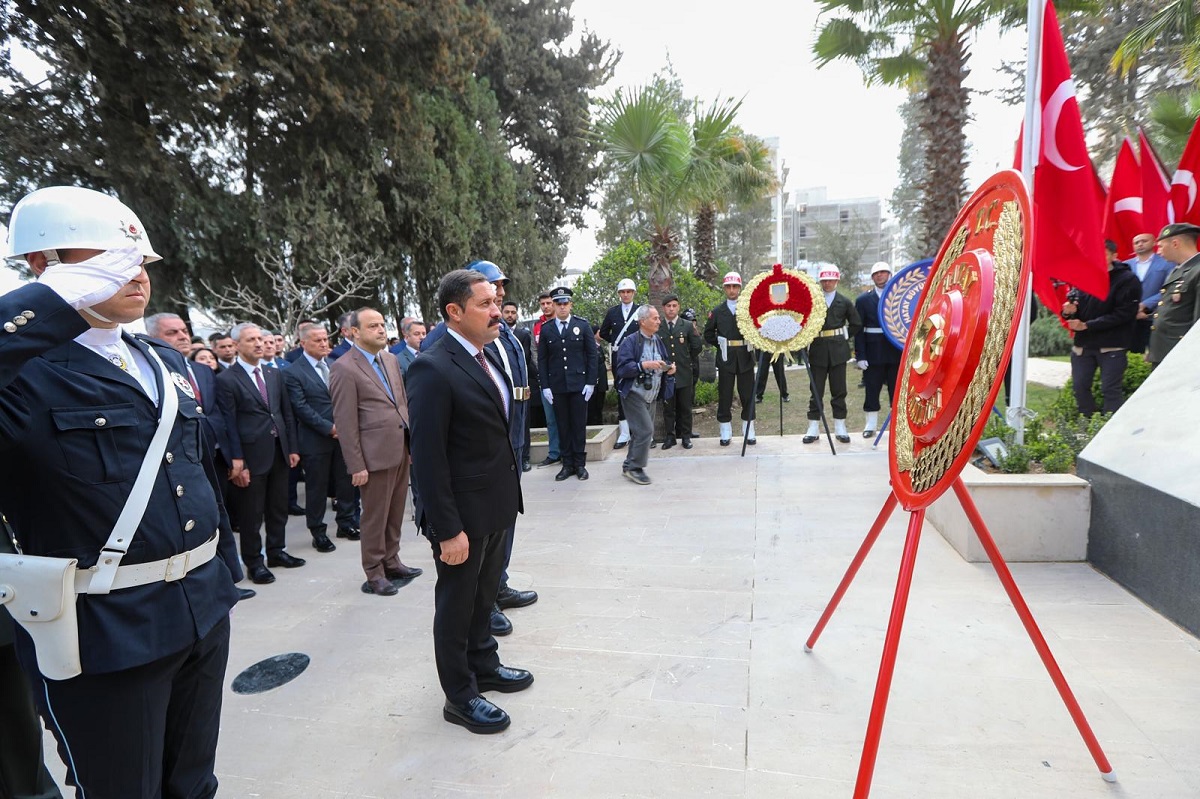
95, 315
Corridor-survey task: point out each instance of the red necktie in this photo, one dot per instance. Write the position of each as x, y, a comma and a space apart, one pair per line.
483, 363
195, 388
262, 387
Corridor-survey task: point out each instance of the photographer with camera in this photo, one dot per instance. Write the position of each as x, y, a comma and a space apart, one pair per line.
643, 373
1104, 330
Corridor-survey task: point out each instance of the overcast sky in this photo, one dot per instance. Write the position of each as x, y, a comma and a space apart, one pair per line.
833, 130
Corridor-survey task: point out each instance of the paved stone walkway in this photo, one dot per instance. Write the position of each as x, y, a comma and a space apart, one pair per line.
668, 653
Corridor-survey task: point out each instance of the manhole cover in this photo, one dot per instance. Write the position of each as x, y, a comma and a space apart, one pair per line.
270, 673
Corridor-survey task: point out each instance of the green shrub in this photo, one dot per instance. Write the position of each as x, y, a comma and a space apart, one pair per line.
706, 393
1047, 336
1016, 461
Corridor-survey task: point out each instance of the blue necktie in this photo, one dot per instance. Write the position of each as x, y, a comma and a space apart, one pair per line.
382, 378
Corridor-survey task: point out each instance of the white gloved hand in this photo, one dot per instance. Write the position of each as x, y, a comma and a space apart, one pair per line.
548, 395
862, 365
95, 280
587, 393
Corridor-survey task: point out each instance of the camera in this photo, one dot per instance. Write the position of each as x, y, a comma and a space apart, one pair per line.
646, 380
689, 315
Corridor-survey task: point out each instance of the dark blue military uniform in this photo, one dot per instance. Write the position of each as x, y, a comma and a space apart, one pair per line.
75, 429
872, 345
567, 363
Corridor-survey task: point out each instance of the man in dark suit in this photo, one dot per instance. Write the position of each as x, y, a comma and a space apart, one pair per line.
510, 313
409, 347
370, 408
620, 321
347, 338
307, 382
873, 352
262, 447
683, 344
567, 371
469, 494
80, 402
1152, 270
827, 357
735, 363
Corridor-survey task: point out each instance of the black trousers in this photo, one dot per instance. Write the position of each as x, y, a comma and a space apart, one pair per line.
745, 390
321, 470
764, 367
677, 411
264, 500
836, 375
570, 411
876, 377
463, 645
23, 773
1112, 374
149, 732
1141, 336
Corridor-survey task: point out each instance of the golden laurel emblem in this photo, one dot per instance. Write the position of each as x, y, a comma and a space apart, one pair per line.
780, 311
962, 334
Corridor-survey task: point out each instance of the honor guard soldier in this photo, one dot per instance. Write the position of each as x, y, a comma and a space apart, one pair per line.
620, 321
567, 368
1179, 307
828, 355
735, 362
873, 353
683, 346
102, 433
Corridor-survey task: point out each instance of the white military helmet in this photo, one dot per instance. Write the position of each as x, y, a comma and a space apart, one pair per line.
71, 217
829, 273
732, 279
626, 285
881, 266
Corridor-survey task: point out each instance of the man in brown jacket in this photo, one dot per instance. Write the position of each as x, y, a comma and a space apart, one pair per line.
370, 411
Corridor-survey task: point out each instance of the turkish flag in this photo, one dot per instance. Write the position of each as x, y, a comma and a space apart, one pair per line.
1156, 189
1123, 210
1068, 197
1183, 185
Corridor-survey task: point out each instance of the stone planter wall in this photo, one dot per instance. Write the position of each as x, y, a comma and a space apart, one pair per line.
599, 443
1033, 517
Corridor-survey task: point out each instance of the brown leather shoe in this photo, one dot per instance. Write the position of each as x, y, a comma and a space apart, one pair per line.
380, 586
403, 573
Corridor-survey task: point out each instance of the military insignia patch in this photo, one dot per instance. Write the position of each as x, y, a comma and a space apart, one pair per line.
183, 384
131, 231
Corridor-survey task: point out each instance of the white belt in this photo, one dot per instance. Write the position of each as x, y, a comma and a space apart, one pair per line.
840, 332
167, 570
873, 330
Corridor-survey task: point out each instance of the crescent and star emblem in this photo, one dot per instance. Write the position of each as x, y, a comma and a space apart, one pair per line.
1054, 106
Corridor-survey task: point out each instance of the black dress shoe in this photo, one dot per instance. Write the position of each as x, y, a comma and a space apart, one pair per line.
752, 441
261, 575
809, 439
564, 473
478, 715
668, 443
295, 510
246, 593
504, 680
725, 442
512, 598
349, 533
759, 399
868, 433
548, 461
786, 398
499, 623
621, 445
379, 586
525, 466
843, 439
581, 473
284, 560
687, 443
403, 573
321, 543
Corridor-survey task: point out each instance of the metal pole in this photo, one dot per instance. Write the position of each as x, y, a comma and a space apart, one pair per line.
1031, 147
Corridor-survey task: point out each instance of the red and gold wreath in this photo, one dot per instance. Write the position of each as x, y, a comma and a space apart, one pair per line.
780, 311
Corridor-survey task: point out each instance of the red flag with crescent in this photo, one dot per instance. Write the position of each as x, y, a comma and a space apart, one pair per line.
1156, 188
1068, 197
1183, 184
1123, 210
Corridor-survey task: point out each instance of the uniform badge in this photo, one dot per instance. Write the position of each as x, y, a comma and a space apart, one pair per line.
183, 384
575, 330
130, 231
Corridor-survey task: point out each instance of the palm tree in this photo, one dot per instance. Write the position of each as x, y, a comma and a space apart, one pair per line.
643, 137
919, 43
728, 166
1177, 18
1172, 117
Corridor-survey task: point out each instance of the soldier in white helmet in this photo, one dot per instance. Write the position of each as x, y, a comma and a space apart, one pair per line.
112, 496
828, 355
873, 352
735, 362
619, 322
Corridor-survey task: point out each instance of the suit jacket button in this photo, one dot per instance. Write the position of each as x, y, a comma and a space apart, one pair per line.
179, 491
170, 456
28, 314
191, 523
101, 421
199, 410
20, 320
10, 327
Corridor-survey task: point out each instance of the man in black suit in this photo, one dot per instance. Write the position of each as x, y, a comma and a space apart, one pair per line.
409, 347
307, 382
620, 321
873, 353
510, 314
347, 337
735, 363
469, 495
262, 436
567, 370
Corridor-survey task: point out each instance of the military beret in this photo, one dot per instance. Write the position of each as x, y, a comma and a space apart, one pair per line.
670, 298
1179, 229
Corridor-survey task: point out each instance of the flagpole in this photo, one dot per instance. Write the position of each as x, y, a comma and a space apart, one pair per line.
1031, 147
